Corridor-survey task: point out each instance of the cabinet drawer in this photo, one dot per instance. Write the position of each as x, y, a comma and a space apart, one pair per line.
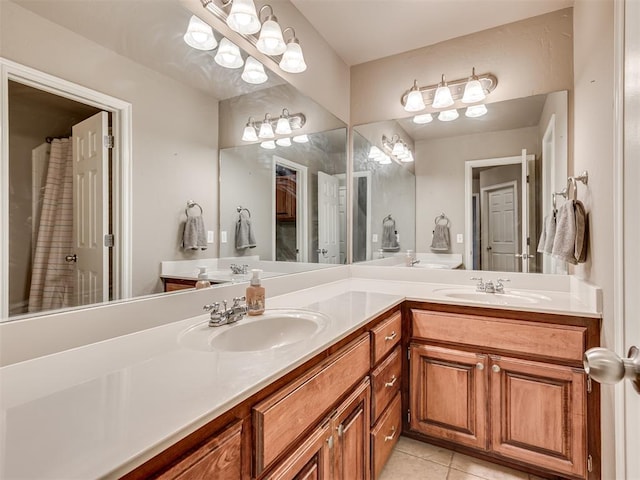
280, 419
385, 336
560, 342
385, 435
386, 383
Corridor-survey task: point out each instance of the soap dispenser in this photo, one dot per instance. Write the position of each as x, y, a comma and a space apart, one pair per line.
255, 294
203, 281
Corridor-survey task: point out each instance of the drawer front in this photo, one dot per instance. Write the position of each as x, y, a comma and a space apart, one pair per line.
385, 435
560, 342
280, 419
386, 383
385, 336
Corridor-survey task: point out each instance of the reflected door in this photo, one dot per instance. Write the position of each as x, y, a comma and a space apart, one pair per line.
91, 219
328, 234
500, 233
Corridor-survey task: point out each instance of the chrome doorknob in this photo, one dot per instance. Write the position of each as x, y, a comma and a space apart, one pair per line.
71, 258
604, 366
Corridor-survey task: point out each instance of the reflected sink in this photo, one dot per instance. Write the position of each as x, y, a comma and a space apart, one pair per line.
274, 329
511, 297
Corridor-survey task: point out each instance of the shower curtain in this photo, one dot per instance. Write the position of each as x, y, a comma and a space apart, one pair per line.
52, 277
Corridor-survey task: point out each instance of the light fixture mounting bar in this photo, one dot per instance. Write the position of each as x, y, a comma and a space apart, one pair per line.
296, 120
488, 81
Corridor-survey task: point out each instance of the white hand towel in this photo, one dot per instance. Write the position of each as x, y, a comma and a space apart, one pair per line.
545, 245
441, 240
244, 233
194, 236
570, 242
389, 235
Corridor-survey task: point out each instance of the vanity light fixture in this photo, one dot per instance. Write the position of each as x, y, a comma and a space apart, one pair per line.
228, 55
199, 35
254, 72
423, 119
475, 111
292, 59
385, 159
269, 144
283, 127
284, 142
249, 133
301, 138
375, 153
397, 149
270, 41
444, 94
243, 17
266, 130
448, 115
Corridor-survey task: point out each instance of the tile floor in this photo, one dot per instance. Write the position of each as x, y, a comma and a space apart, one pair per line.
413, 460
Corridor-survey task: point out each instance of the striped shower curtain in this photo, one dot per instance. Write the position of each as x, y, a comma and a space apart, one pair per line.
52, 277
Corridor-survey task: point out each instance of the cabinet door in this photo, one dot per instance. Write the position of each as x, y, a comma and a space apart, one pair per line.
311, 460
219, 458
286, 198
448, 394
351, 428
537, 414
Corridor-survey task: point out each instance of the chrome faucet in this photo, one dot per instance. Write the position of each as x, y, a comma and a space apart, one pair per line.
480, 285
238, 269
499, 284
489, 286
413, 262
226, 316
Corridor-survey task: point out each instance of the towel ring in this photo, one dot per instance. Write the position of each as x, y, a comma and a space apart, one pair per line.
240, 208
442, 216
190, 205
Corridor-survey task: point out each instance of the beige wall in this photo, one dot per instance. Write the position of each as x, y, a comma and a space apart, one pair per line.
593, 151
174, 134
529, 57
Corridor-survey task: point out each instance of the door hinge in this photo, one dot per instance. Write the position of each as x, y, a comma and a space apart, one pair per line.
408, 354
408, 416
589, 385
340, 429
589, 463
109, 240
108, 141
528, 241
330, 441
527, 178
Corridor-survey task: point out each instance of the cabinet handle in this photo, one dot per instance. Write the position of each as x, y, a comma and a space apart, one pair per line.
392, 382
480, 366
495, 368
388, 438
391, 337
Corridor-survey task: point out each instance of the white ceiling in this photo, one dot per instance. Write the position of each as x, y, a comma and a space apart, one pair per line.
364, 30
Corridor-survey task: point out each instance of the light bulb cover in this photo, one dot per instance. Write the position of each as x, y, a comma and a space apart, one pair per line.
423, 119
249, 133
398, 148
415, 101
283, 127
254, 72
293, 60
284, 142
266, 130
269, 144
384, 160
270, 41
442, 98
475, 111
473, 90
375, 153
199, 35
228, 55
448, 115
243, 17
301, 138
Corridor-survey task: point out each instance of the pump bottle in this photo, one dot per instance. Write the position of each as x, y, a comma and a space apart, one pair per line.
255, 294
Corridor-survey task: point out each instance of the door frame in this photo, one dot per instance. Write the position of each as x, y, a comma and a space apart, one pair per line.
362, 174
548, 145
302, 207
121, 159
484, 214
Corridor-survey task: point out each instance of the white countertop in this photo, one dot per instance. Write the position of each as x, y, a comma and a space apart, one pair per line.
102, 409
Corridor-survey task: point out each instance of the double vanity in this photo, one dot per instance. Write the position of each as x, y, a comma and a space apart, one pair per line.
322, 384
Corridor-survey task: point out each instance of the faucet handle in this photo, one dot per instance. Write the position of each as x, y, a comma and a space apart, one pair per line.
211, 307
237, 300
480, 286
502, 280
499, 284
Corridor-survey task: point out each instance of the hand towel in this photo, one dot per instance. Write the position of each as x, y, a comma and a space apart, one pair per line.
244, 233
389, 235
441, 240
194, 236
545, 245
582, 232
570, 242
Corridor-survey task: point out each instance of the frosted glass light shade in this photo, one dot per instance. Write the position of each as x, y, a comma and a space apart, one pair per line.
284, 142
422, 119
398, 149
384, 160
254, 72
375, 153
442, 97
243, 17
266, 130
292, 59
415, 101
448, 115
269, 144
301, 138
475, 111
270, 41
283, 127
199, 35
228, 55
473, 92
249, 134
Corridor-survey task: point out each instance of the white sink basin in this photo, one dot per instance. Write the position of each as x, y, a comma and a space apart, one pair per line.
274, 329
511, 297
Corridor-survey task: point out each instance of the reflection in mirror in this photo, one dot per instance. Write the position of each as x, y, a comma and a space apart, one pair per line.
467, 168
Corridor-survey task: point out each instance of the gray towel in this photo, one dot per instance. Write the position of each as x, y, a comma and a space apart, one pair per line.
545, 245
194, 236
570, 242
389, 235
244, 233
441, 241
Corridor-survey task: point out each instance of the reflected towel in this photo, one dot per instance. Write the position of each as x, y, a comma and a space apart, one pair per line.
194, 236
545, 245
244, 233
570, 241
582, 232
389, 235
441, 240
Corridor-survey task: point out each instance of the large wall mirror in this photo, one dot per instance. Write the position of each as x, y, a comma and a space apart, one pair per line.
488, 180
175, 114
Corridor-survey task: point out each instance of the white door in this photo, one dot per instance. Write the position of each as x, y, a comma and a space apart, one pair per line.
328, 234
90, 211
501, 229
528, 189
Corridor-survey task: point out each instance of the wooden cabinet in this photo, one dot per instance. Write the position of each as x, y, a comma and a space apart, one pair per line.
385, 434
286, 198
219, 458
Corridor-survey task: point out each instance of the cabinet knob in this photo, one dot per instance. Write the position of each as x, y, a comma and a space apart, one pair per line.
391, 337
480, 366
388, 438
495, 368
392, 382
